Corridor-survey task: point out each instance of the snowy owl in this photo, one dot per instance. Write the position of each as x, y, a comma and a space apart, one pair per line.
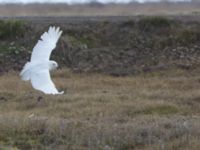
37, 70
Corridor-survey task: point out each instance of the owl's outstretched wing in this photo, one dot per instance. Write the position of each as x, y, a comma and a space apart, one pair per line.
41, 80
46, 44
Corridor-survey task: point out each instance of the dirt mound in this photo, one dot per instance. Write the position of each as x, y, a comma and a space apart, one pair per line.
112, 46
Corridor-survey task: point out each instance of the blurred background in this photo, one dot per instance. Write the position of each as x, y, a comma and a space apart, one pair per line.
97, 7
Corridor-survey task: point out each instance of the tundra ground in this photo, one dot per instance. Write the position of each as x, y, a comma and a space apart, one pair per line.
159, 110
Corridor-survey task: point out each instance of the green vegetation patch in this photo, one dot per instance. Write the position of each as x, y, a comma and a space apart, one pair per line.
152, 110
7, 48
73, 42
129, 23
188, 36
160, 110
12, 29
80, 42
155, 22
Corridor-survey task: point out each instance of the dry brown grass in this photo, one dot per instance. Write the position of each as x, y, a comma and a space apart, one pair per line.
150, 111
99, 10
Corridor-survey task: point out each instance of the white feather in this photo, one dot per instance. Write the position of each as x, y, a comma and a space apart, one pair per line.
37, 70
45, 46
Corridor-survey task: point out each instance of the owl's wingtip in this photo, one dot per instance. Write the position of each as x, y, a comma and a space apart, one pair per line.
62, 92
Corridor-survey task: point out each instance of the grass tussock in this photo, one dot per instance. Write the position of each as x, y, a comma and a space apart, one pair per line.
102, 112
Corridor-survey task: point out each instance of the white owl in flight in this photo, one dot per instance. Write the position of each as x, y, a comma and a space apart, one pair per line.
37, 70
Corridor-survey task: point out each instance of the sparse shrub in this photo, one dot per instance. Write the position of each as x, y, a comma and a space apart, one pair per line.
73, 42
163, 42
11, 29
152, 23
129, 23
188, 36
